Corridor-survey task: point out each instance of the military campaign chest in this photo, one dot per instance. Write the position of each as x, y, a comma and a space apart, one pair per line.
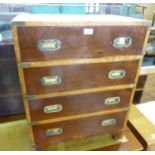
78, 74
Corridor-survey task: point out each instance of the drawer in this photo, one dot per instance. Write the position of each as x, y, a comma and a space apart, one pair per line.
49, 134
42, 80
54, 43
57, 107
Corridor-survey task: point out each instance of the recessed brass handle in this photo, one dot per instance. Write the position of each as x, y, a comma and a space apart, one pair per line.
53, 108
108, 122
116, 74
112, 100
49, 45
122, 42
51, 80
53, 132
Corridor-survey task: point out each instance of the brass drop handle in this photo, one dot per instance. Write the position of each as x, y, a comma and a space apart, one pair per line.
108, 122
53, 132
112, 100
49, 45
117, 74
53, 108
122, 42
51, 80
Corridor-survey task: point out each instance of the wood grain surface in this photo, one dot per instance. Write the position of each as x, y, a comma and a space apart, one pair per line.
75, 44
78, 104
76, 77
77, 129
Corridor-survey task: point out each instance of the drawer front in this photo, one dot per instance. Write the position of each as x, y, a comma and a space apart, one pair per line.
49, 134
72, 77
42, 109
50, 42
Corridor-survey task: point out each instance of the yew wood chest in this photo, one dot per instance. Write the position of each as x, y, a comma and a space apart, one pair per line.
78, 74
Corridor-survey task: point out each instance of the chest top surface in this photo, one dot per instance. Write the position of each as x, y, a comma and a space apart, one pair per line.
42, 19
